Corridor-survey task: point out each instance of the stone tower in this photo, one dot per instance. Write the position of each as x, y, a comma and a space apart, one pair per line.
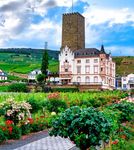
73, 31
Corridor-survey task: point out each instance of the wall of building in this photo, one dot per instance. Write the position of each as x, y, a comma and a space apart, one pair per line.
92, 75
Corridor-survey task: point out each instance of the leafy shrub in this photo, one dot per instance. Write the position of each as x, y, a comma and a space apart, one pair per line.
37, 124
65, 90
25, 129
40, 78
54, 103
35, 104
17, 87
95, 102
126, 109
2, 136
16, 133
85, 103
86, 127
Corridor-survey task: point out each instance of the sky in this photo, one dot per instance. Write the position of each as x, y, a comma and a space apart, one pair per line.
31, 23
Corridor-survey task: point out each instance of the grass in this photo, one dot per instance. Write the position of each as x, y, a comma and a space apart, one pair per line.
70, 96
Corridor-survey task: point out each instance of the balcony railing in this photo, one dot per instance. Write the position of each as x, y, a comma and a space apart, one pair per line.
65, 75
87, 83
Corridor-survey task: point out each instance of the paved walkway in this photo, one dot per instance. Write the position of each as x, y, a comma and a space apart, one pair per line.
40, 141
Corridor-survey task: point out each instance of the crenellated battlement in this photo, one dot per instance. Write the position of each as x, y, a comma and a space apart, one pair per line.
74, 13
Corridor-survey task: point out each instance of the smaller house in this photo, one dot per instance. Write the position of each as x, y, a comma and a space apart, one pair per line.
118, 83
32, 75
128, 82
3, 75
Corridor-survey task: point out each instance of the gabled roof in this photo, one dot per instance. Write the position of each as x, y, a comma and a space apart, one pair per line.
87, 52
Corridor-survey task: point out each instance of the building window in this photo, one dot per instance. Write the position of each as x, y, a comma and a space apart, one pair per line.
66, 70
78, 69
124, 79
131, 78
78, 61
95, 79
95, 60
124, 86
87, 69
87, 60
66, 61
87, 80
95, 69
78, 79
101, 69
101, 59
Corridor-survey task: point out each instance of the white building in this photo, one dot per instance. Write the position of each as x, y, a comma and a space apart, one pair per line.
90, 66
3, 75
128, 82
32, 75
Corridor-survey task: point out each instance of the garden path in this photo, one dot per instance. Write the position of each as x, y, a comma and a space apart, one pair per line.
39, 141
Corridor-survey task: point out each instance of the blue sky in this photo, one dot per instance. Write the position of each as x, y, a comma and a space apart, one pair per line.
29, 23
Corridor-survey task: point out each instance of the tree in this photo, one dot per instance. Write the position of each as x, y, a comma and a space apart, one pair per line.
40, 78
45, 63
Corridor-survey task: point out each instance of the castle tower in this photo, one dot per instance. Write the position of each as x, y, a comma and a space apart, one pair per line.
73, 31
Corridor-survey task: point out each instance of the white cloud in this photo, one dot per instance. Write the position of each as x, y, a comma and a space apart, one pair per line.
120, 50
95, 15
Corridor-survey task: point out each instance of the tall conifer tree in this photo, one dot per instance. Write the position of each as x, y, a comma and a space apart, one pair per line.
45, 63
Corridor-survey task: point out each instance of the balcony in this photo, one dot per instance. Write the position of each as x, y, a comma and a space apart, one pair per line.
65, 75
87, 83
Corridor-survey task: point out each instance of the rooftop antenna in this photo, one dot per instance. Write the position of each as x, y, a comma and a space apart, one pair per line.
72, 6
46, 44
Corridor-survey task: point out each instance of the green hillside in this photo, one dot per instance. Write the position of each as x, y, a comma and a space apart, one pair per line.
124, 65
24, 62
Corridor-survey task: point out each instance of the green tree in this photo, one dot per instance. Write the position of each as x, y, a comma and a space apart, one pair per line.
45, 63
40, 78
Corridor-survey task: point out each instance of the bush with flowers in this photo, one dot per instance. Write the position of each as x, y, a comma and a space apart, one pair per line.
10, 130
15, 111
55, 103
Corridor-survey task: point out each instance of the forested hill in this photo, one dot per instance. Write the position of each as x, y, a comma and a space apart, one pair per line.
30, 51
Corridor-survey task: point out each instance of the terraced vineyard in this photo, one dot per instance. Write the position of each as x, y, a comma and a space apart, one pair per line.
23, 63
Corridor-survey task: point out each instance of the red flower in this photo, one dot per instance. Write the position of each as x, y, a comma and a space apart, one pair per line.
115, 142
9, 122
10, 130
30, 120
